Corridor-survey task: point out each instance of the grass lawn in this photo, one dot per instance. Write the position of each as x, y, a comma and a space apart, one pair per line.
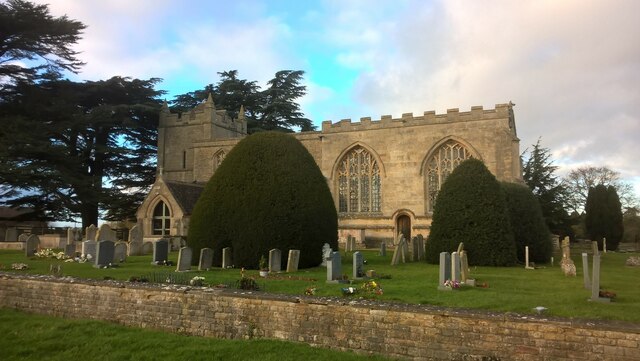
512, 289
36, 337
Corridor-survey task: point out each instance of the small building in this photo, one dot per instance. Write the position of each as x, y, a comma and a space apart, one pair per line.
384, 174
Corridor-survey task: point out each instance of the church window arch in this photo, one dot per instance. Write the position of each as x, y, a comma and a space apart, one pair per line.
358, 182
161, 219
441, 163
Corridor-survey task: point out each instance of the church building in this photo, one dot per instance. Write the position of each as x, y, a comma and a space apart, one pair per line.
384, 174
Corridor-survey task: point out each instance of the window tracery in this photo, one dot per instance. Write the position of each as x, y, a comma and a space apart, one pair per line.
358, 182
443, 161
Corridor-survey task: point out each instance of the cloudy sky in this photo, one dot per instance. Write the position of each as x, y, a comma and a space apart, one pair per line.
572, 67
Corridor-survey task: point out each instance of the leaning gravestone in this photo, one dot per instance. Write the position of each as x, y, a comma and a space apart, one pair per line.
23, 237
206, 259
414, 249
464, 266
104, 253
334, 267
160, 251
71, 236
184, 259
31, 246
445, 270
400, 253
420, 247
358, 264
120, 252
11, 235
91, 233
89, 248
227, 260
105, 233
135, 241
326, 252
292, 262
275, 260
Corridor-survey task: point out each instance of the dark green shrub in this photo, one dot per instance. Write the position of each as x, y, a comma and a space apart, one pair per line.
603, 217
471, 208
527, 222
268, 193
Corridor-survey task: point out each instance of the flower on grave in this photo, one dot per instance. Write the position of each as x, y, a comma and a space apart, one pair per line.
349, 291
310, 291
607, 294
371, 288
89, 257
19, 266
197, 281
451, 284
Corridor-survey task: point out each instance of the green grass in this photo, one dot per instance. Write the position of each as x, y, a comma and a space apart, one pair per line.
36, 337
510, 289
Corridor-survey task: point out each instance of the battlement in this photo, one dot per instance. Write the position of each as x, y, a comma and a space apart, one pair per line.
501, 111
203, 114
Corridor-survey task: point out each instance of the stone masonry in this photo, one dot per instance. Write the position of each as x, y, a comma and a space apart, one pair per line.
368, 327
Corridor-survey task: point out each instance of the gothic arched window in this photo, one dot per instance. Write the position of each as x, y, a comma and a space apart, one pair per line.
217, 159
358, 182
448, 156
161, 219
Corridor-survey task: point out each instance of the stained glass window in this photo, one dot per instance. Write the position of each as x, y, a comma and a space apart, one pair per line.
358, 182
440, 165
161, 219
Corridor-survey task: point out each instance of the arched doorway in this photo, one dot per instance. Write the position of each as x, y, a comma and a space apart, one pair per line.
403, 225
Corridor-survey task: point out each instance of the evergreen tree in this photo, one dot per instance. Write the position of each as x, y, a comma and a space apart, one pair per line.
539, 175
529, 227
471, 208
268, 193
603, 217
280, 111
29, 33
72, 149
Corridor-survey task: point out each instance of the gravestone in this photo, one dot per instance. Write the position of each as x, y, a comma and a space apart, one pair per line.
31, 246
595, 281
455, 267
147, 248
414, 249
206, 259
405, 250
135, 241
383, 249
11, 235
184, 259
160, 251
594, 248
104, 253
566, 264
227, 260
275, 260
420, 247
91, 233
71, 235
120, 252
445, 270
464, 267
362, 236
326, 252
292, 262
400, 253
526, 258
351, 244
105, 233
334, 267
89, 248
585, 270
358, 264
604, 244
23, 237
70, 250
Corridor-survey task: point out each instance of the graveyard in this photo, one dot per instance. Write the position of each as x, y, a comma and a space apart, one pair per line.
511, 289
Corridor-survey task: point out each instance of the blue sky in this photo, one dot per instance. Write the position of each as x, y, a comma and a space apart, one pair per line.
571, 67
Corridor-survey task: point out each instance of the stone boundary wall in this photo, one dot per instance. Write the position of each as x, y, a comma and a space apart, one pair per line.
395, 330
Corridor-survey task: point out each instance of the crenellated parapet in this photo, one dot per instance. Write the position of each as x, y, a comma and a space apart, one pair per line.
454, 115
205, 113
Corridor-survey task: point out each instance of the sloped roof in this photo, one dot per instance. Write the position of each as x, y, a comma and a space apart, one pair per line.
186, 194
18, 213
